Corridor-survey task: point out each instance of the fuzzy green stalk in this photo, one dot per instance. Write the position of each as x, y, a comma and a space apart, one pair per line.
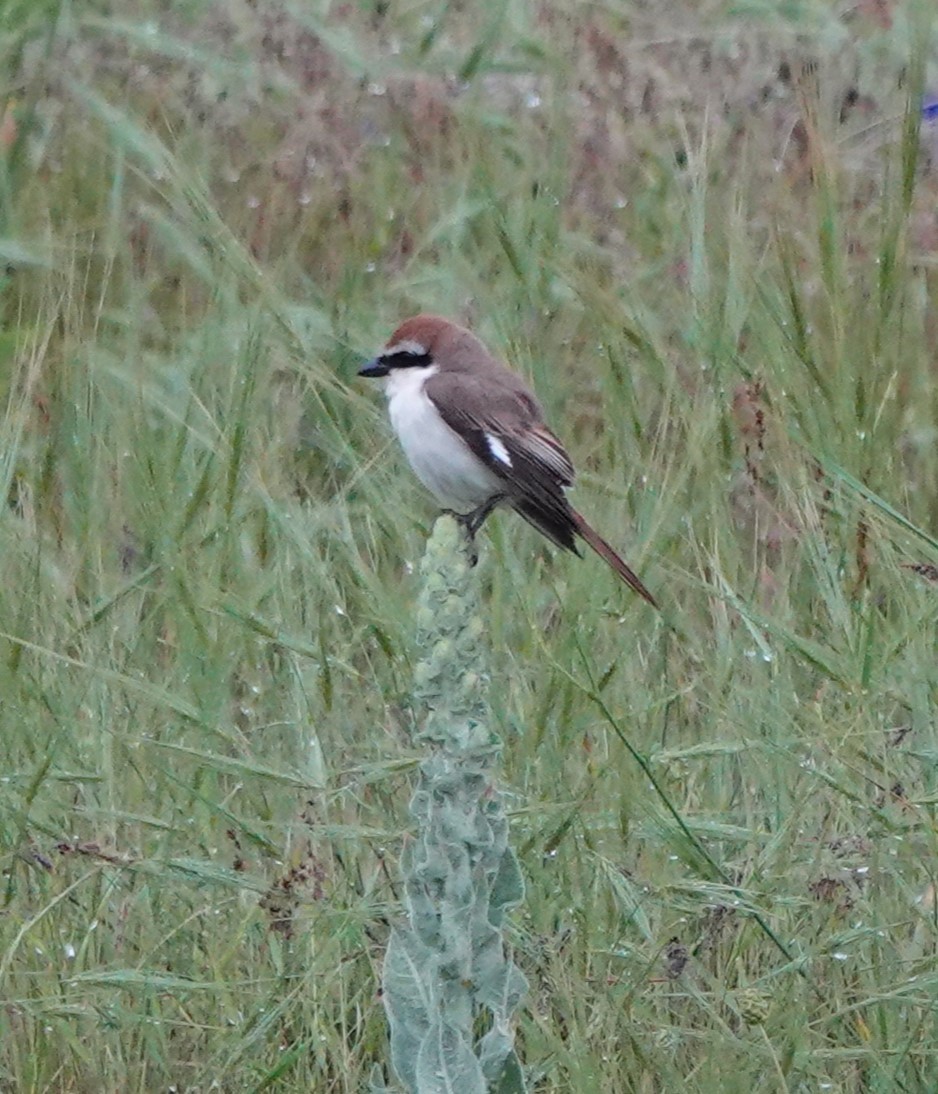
450, 987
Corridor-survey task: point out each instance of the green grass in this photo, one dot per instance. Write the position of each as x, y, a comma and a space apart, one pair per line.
709, 239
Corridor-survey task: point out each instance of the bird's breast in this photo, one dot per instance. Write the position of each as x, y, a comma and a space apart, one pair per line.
442, 461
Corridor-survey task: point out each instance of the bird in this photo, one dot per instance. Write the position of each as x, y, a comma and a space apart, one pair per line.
474, 434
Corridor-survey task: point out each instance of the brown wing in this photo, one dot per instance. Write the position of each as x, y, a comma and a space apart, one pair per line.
504, 427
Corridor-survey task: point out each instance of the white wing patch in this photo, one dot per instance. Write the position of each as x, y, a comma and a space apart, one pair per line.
498, 450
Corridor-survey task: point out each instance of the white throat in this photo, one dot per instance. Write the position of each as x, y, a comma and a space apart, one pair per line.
441, 459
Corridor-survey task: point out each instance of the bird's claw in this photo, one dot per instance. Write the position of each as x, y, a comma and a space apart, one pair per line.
469, 529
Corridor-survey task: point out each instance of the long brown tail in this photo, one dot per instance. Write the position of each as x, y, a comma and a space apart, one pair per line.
589, 534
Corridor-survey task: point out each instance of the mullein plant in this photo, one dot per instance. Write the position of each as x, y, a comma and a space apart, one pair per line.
450, 985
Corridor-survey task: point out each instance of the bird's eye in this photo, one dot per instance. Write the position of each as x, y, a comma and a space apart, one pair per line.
405, 358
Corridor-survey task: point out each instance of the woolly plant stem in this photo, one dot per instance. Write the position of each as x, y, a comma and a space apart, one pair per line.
450, 986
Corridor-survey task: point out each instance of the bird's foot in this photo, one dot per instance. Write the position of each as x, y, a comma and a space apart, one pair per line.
469, 529
472, 521
462, 519
477, 517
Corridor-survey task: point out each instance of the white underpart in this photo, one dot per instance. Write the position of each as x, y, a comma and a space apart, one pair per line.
498, 449
441, 459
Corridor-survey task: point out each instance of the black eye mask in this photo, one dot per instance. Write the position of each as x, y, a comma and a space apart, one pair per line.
382, 365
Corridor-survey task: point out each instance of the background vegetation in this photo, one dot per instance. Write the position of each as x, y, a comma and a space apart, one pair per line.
708, 233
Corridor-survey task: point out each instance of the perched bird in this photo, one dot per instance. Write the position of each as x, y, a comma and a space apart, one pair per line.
475, 436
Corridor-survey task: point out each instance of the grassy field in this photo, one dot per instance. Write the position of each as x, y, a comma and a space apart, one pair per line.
708, 233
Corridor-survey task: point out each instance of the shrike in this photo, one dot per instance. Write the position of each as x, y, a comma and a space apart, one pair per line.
475, 435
